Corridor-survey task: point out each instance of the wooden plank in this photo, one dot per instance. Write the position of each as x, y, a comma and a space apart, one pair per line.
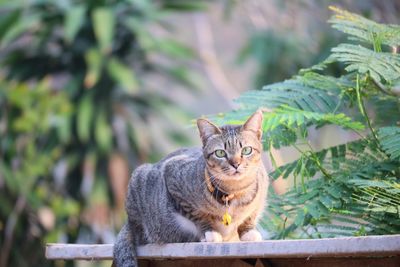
304, 248
79, 252
278, 262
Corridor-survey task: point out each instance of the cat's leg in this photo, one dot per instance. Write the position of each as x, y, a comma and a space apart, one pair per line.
188, 226
170, 226
247, 230
212, 236
209, 234
124, 249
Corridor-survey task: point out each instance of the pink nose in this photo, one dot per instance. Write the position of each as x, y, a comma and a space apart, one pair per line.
234, 164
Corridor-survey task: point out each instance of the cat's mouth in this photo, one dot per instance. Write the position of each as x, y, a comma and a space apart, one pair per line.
236, 174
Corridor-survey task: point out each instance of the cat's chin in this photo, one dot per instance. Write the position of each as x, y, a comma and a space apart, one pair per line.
234, 176
231, 176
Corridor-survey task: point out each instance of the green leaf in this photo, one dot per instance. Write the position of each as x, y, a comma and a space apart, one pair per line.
381, 66
179, 5
299, 220
389, 138
84, 118
333, 191
94, 61
293, 117
64, 129
313, 210
104, 26
74, 19
303, 93
145, 40
174, 49
103, 132
279, 137
7, 21
364, 29
123, 75
19, 27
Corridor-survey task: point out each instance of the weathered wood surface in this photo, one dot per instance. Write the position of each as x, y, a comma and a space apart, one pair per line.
278, 262
371, 246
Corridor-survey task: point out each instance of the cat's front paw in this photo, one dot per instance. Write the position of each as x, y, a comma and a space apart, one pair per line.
251, 235
212, 236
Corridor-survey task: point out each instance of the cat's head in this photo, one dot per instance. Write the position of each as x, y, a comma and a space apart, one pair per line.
232, 151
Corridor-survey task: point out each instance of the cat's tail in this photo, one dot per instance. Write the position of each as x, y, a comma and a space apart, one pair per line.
124, 249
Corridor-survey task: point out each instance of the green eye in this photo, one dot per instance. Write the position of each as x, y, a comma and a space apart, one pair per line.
220, 153
247, 150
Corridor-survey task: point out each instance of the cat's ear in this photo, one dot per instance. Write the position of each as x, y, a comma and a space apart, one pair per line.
207, 129
254, 123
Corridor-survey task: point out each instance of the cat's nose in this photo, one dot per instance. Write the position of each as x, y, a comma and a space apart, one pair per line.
234, 164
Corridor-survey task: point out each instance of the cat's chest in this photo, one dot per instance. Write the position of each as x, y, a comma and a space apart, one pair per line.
238, 215
213, 212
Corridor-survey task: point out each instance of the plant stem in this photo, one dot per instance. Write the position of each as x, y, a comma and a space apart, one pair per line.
322, 169
273, 161
361, 106
315, 159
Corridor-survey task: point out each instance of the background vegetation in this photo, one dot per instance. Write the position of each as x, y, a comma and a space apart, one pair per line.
89, 90
77, 104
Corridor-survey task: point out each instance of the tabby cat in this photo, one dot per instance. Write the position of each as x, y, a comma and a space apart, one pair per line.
212, 194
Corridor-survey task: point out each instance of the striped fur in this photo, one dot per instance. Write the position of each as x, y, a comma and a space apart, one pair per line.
169, 201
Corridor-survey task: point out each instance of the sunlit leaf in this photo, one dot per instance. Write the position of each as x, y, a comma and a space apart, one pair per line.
74, 19
364, 29
7, 21
94, 61
102, 132
123, 75
18, 28
104, 26
84, 118
390, 140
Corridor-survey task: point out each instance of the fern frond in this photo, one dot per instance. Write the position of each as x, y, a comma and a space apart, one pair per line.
364, 29
325, 82
282, 136
293, 117
292, 93
389, 138
331, 158
380, 66
354, 191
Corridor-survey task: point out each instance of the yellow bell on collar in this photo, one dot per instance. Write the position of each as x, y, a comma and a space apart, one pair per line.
226, 219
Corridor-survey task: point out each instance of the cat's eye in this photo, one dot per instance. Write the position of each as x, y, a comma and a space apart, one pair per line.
247, 150
220, 153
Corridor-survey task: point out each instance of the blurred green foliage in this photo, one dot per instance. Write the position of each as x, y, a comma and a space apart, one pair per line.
78, 94
30, 117
282, 47
278, 55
